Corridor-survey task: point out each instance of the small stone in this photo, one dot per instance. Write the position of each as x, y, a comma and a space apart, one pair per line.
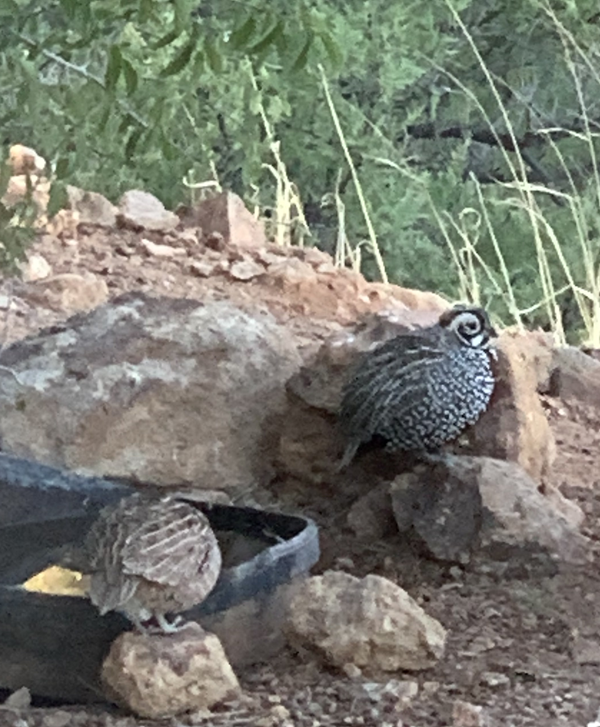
141, 210
371, 516
68, 292
370, 622
203, 268
280, 712
24, 160
430, 687
465, 714
399, 691
58, 718
352, 671
36, 268
91, 208
215, 241
20, 699
494, 679
160, 676
344, 563
246, 270
153, 249
227, 215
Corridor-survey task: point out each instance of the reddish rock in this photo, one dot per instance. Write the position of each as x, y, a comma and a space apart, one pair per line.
140, 210
369, 622
489, 507
227, 215
91, 208
24, 160
161, 676
67, 292
515, 426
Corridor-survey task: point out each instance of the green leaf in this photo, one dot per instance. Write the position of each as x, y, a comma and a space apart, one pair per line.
70, 7
302, 58
61, 168
241, 35
132, 142
333, 50
113, 68
5, 175
104, 116
126, 122
131, 77
58, 198
214, 58
268, 39
183, 8
166, 39
181, 59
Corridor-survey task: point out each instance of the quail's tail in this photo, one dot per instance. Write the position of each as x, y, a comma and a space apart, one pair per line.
347, 457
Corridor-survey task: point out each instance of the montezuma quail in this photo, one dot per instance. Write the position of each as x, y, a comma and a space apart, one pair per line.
149, 557
419, 390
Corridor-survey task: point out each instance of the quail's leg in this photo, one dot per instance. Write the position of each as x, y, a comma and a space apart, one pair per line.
169, 627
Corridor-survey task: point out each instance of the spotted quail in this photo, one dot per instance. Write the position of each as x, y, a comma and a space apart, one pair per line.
421, 389
149, 557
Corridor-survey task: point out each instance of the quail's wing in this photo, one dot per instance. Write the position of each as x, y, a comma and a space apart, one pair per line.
388, 378
171, 545
110, 587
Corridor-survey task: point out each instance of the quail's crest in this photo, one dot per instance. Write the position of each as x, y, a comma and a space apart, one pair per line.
420, 390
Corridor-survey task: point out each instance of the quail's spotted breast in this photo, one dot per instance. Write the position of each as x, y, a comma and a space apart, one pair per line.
149, 557
420, 390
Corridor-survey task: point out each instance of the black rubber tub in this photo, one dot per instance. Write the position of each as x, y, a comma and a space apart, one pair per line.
54, 645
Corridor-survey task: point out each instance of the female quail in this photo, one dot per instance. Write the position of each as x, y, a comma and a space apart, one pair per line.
420, 390
149, 557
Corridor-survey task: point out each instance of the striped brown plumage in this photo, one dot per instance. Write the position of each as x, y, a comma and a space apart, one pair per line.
149, 557
421, 389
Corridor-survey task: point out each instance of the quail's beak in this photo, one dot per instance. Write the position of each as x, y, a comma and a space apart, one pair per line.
493, 332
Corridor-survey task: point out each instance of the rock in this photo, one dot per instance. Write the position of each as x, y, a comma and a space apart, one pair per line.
465, 714
68, 292
203, 268
24, 160
371, 516
246, 270
487, 506
369, 622
160, 676
141, 210
91, 208
154, 249
575, 376
164, 390
20, 699
397, 692
585, 650
515, 427
444, 509
36, 268
227, 215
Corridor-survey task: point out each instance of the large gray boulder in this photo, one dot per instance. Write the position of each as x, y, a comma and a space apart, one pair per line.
165, 390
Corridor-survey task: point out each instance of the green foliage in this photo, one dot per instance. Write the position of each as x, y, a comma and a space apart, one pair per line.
431, 97
16, 225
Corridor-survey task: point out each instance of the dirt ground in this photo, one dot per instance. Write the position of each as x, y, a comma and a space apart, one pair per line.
526, 649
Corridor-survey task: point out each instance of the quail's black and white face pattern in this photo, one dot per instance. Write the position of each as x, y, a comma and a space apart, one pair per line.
470, 325
421, 389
